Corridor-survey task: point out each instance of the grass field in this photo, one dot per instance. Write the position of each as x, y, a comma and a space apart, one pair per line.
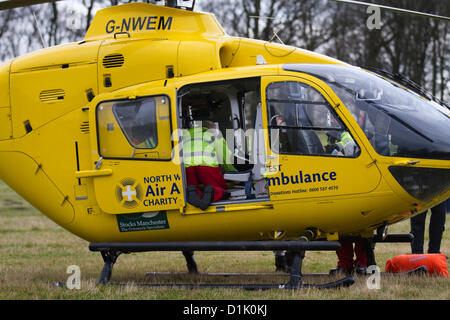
35, 253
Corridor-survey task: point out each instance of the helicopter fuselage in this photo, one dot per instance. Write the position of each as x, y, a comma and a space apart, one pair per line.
67, 136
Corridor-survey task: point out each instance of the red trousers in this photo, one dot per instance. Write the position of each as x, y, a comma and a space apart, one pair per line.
345, 255
207, 175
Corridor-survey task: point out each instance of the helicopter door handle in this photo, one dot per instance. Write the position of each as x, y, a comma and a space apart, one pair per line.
409, 163
123, 32
93, 173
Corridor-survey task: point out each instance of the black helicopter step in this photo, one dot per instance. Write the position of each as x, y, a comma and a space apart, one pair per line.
111, 251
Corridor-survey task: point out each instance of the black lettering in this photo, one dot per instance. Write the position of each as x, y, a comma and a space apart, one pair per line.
284, 179
151, 22
273, 181
110, 26
138, 23
125, 25
150, 191
174, 189
165, 25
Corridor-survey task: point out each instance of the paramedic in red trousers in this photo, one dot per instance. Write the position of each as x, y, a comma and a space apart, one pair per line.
347, 263
352, 256
205, 155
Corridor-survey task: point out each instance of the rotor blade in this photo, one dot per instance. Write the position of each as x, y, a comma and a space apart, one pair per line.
11, 4
417, 13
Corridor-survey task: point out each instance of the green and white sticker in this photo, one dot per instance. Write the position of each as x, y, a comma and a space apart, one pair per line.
142, 221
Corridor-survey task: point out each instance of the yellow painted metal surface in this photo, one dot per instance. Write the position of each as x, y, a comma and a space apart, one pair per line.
72, 160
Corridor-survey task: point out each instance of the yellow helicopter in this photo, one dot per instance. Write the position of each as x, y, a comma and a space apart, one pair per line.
71, 142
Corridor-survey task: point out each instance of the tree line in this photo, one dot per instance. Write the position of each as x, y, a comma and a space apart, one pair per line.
416, 47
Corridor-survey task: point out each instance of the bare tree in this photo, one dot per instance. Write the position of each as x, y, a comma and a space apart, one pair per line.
416, 47
302, 23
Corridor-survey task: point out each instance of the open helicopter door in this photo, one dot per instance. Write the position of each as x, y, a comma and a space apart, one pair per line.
312, 150
232, 110
135, 170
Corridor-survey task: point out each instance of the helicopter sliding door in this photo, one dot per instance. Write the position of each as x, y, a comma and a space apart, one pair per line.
312, 151
135, 170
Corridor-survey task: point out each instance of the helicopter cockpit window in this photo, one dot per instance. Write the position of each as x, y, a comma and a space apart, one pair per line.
302, 122
135, 129
396, 121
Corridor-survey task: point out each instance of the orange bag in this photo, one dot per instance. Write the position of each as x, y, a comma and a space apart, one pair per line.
435, 263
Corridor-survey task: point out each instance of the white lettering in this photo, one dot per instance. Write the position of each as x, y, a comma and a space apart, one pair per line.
374, 280
74, 280
374, 20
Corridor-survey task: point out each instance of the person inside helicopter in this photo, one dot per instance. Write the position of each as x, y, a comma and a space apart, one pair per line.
280, 139
235, 108
138, 121
142, 137
206, 156
340, 143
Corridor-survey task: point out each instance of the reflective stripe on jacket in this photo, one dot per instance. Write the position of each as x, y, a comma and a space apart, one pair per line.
148, 143
345, 137
199, 148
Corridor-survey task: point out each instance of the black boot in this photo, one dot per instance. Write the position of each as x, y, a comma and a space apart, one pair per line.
281, 263
339, 271
190, 262
207, 198
192, 196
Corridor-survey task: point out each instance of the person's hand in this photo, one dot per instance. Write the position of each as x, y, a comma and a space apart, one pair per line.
331, 147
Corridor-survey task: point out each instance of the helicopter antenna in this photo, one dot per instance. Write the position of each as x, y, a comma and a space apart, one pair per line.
275, 35
417, 13
39, 29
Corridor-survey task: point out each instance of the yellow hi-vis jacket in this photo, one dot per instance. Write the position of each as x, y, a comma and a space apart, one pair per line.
345, 138
202, 148
148, 143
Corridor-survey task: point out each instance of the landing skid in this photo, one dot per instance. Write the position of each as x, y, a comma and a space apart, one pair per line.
346, 282
111, 251
416, 272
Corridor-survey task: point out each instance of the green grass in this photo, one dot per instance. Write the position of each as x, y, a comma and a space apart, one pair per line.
35, 253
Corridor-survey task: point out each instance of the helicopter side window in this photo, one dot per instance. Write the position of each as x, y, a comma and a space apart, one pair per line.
137, 119
135, 129
302, 122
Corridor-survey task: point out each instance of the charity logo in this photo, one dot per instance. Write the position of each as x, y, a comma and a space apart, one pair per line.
129, 193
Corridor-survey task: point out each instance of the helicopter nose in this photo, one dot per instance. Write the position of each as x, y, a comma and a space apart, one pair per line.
423, 184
